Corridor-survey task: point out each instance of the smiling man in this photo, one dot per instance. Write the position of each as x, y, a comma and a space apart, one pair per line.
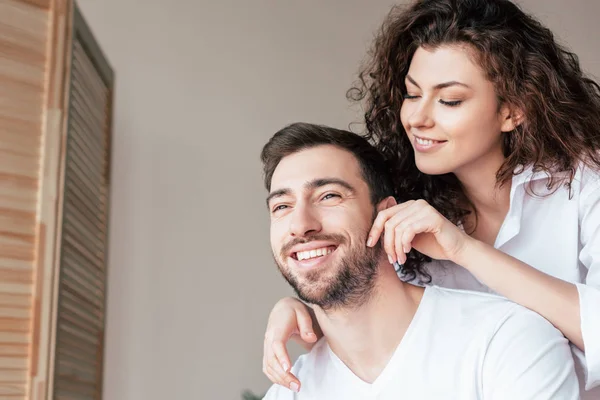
385, 338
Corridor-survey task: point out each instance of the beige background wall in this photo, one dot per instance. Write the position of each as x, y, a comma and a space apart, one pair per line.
201, 85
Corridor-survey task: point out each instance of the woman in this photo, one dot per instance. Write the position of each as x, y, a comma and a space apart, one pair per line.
493, 125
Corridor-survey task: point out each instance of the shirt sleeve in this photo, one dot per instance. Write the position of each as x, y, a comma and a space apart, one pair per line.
528, 359
589, 290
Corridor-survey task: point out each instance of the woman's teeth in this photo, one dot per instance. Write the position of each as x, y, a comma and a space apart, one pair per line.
305, 255
425, 142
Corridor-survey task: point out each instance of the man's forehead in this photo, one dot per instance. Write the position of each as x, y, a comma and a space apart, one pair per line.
315, 163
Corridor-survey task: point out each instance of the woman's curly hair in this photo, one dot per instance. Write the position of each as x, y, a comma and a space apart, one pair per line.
530, 71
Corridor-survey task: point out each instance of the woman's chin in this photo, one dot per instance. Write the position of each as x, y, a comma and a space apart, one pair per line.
431, 167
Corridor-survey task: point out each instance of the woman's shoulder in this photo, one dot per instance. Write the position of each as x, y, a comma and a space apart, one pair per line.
583, 180
587, 176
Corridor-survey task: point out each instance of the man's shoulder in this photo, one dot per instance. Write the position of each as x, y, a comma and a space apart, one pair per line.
495, 311
503, 320
469, 301
527, 357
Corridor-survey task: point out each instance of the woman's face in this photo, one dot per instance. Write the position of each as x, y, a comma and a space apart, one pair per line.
451, 113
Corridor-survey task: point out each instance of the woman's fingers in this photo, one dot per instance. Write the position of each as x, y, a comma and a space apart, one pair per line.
382, 217
305, 325
284, 379
274, 360
281, 355
389, 241
285, 376
399, 244
392, 238
418, 222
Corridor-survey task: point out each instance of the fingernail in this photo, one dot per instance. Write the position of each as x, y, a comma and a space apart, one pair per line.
285, 367
370, 241
310, 334
390, 259
294, 386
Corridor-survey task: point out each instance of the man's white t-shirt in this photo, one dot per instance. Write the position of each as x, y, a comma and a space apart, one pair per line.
460, 345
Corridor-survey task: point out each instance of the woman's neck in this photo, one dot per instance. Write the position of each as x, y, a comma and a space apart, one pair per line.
490, 201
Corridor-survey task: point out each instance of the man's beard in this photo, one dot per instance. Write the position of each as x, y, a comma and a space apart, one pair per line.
350, 287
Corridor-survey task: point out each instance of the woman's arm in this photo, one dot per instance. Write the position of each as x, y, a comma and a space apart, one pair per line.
290, 318
573, 309
552, 298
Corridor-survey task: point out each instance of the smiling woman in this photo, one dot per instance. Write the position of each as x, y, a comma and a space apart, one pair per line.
451, 115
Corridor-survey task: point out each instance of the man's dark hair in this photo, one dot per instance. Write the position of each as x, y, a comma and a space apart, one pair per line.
301, 136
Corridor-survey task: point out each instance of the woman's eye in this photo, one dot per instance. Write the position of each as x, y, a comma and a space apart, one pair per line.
409, 97
453, 103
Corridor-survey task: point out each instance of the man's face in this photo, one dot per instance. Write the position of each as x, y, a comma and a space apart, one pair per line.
321, 213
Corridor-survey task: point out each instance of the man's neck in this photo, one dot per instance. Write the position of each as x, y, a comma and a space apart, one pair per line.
365, 337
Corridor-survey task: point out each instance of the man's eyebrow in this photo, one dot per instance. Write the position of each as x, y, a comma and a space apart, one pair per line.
314, 184
439, 85
277, 193
317, 183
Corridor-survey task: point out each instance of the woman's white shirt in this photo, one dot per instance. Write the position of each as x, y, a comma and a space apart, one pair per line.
558, 232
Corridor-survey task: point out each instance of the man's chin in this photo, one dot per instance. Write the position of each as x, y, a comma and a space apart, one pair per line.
316, 296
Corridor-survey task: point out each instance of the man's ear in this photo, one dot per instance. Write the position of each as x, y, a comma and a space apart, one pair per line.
386, 203
511, 118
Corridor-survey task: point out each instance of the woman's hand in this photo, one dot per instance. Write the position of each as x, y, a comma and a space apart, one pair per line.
290, 318
416, 224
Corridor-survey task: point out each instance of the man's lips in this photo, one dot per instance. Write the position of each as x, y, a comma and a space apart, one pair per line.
313, 252
312, 258
310, 246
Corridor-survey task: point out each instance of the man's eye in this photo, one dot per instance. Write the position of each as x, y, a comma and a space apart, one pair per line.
330, 196
279, 208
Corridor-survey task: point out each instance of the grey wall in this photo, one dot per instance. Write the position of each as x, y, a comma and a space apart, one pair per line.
201, 85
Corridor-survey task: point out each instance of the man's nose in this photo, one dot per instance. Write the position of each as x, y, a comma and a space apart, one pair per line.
305, 221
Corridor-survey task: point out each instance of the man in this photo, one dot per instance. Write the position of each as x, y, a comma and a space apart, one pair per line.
384, 338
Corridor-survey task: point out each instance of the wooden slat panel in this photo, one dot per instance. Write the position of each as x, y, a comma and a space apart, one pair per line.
76, 343
84, 297
15, 276
88, 169
15, 288
91, 258
13, 390
86, 233
45, 4
23, 58
14, 312
15, 301
82, 284
82, 146
10, 338
84, 278
84, 202
86, 129
12, 350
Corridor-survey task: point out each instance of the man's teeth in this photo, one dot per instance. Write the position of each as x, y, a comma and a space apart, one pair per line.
305, 255
425, 142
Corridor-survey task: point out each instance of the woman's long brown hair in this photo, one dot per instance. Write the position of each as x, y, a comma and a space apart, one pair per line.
530, 71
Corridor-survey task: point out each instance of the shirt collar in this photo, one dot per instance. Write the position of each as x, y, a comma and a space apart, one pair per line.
528, 175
